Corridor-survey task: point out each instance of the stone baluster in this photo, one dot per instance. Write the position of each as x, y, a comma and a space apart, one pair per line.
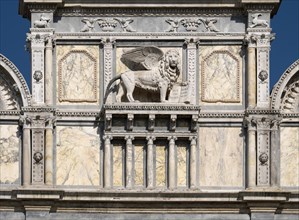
172, 162
193, 165
107, 162
129, 161
150, 161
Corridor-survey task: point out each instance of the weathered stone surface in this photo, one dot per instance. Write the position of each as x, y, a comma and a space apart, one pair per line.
77, 159
221, 157
78, 78
221, 74
9, 154
289, 156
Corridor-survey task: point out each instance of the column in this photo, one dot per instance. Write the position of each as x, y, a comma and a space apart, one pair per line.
49, 152
26, 154
193, 165
251, 154
49, 73
107, 162
251, 71
172, 163
275, 152
150, 161
129, 161
108, 70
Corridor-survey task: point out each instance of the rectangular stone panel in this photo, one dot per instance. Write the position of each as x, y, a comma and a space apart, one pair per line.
160, 165
77, 156
117, 165
289, 156
221, 157
77, 71
139, 164
182, 164
221, 75
9, 154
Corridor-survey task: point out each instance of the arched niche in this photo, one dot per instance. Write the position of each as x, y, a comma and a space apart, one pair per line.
14, 92
285, 94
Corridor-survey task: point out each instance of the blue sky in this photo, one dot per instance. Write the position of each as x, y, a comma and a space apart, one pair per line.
284, 50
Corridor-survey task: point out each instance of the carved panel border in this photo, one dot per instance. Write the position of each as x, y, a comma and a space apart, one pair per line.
60, 98
204, 84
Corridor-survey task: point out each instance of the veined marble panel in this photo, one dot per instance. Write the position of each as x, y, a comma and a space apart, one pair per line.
77, 74
160, 166
77, 156
182, 164
9, 154
221, 156
289, 156
221, 75
138, 166
117, 165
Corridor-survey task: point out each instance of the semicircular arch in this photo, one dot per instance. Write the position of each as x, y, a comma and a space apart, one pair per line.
285, 94
14, 91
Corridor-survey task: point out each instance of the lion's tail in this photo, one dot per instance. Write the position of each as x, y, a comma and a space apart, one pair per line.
108, 90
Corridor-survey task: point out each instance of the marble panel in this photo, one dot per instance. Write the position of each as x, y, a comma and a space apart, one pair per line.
221, 75
9, 154
221, 156
117, 165
77, 156
182, 164
139, 165
289, 156
160, 166
77, 74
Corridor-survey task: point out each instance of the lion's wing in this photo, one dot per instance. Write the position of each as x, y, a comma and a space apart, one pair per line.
142, 58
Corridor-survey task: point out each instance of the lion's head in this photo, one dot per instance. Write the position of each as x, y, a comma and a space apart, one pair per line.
171, 61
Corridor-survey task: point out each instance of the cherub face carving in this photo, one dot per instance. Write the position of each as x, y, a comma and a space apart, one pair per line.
38, 156
263, 158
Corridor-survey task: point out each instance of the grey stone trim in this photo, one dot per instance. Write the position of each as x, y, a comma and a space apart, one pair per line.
151, 106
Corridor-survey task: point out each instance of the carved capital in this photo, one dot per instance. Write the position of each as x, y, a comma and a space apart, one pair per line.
172, 139
192, 42
193, 140
250, 40
130, 122
50, 121
107, 139
194, 121
129, 139
108, 42
150, 140
108, 121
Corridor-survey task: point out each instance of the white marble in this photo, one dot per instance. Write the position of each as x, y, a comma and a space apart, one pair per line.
221, 74
78, 78
9, 154
221, 156
77, 156
289, 156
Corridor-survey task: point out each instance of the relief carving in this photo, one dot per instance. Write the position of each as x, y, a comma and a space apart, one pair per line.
89, 24
150, 69
221, 72
43, 22
256, 21
192, 24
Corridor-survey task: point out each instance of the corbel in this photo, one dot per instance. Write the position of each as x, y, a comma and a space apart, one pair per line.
172, 124
151, 122
130, 122
194, 121
108, 121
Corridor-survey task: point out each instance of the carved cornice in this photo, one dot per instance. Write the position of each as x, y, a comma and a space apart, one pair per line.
221, 115
19, 76
42, 8
151, 107
10, 112
252, 8
153, 12
78, 113
290, 115
262, 112
38, 109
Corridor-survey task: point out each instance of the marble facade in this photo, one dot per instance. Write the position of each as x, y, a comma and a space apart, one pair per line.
141, 110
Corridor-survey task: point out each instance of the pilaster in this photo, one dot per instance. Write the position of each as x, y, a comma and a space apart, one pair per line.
107, 161
129, 161
150, 161
172, 162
